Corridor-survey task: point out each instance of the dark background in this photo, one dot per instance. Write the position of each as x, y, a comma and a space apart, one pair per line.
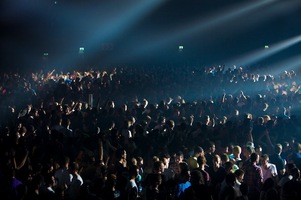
30, 28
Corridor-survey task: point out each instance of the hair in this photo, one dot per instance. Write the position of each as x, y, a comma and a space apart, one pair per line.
198, 149
265, 157
179, 153
230, 178
260, 120
196, 177
237, 149
278, 148
250, 149
239, 172
157, 165
74, 166
297, 146
228, 166
224, 157
133, 170
253, 157
119, 153
201, 160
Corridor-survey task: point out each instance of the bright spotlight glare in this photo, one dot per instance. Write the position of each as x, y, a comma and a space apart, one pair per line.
261, 54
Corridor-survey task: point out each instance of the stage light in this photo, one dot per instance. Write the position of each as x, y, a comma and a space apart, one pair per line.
201, 27
181, 48
81, 50
253, 57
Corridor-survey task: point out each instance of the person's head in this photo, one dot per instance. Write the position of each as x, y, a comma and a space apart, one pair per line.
196, 178
230, 179
202, 161
139, 161
264, 159
74, 167
216, 160
210, 147
247, 151
229, 167
224, 158
133, 171
134, 161
254, 157
236, 151
297, 147
121, 154
166, 160
239, 175
198, 151
185, 175
278, 148
179, 157
49, 180
258, 150
158, 167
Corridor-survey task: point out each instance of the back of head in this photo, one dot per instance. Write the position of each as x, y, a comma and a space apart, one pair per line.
278, 148
254, 157
230, 179
198, 150
196, 178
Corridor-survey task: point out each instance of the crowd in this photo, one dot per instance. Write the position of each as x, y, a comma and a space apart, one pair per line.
150, 133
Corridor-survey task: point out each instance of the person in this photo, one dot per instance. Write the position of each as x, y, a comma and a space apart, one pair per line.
184, 182
253, 177
228, 191
268, 190
192, 160
62, 176
288, 174
198, 189
269, 170
236, 154
203, 169
277, 159
292, 188
239, 175
121, 169
47, 191
209, 152
132, 188
110, 191
175, 165
74, 189
155, 182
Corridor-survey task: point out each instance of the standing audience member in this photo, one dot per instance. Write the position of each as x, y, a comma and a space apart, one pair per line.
268, 169
253, 177
198, 189
277, 159
74, 189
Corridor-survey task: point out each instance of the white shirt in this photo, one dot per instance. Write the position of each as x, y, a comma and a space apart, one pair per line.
269, 172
